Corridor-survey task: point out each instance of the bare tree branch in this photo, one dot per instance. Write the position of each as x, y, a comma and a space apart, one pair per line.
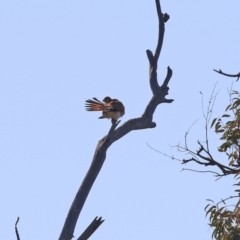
91, 228
202, 156
143, 122
228, 75
223, 200
16, 230
164, 154
192, 170
160, 32
207, 116
208, 160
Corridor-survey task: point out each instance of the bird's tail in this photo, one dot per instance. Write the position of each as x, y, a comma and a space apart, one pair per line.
92, 105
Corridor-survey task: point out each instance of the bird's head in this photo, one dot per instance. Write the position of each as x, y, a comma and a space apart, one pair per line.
107, 100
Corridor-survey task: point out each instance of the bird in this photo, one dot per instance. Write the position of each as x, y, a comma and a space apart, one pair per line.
111, 108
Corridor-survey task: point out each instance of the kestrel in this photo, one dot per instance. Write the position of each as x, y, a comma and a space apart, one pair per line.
111, 108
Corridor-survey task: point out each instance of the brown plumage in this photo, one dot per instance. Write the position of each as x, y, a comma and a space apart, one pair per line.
111, 108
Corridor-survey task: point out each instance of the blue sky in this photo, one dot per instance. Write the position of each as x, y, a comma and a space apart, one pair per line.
57, 54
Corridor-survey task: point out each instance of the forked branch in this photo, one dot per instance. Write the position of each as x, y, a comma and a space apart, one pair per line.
203, 157
143, 122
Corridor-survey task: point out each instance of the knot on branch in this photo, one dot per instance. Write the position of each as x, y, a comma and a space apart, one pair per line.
165, 17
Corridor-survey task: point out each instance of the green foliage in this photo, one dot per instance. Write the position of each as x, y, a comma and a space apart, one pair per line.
230, 130
225, 219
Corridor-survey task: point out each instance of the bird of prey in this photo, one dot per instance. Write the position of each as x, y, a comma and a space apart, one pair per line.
111, 108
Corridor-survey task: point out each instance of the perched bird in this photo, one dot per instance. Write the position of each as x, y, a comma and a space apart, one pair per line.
111, 108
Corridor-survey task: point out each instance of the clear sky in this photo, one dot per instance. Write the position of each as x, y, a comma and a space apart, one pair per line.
57, 54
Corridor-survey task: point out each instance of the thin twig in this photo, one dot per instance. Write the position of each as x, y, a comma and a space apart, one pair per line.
164, 154
192, 170
16, 230
207, 116
187, 132
223, 200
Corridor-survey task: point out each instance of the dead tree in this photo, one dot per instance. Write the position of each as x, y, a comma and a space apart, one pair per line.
143, 122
